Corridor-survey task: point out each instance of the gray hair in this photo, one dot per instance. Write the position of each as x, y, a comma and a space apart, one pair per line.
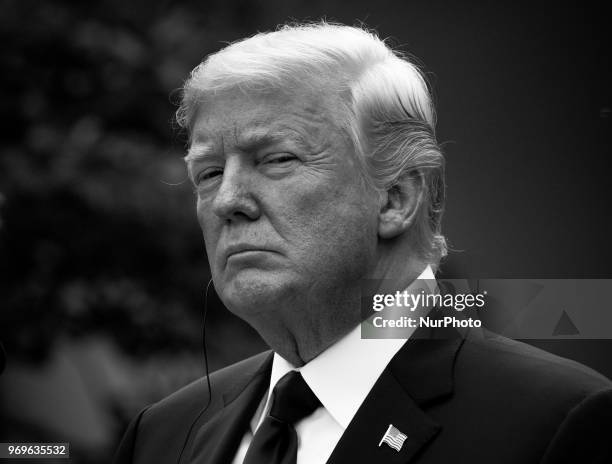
389, 113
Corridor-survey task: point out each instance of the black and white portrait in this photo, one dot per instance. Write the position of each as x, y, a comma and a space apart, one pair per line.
305, 233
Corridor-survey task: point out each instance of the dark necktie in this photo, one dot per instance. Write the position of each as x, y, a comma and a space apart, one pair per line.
276, 441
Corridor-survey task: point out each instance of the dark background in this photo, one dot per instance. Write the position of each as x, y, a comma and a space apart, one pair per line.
102, 264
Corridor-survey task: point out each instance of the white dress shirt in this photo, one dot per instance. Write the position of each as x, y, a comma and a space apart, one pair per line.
341, 377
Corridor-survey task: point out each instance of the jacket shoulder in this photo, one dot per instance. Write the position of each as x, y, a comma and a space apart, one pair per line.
162, 429
195, 394
529, 379
505, 388
511, 358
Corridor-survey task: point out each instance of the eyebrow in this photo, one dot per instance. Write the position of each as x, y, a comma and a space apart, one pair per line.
256, 139
198, 152
252, 140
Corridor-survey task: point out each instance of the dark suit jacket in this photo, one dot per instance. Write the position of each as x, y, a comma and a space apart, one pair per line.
483, 399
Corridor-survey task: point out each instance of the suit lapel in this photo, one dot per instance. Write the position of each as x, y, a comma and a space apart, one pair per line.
420, 374
387, 403
218, 439
425, 365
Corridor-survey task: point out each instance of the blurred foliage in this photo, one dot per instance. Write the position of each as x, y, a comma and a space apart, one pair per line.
98, 231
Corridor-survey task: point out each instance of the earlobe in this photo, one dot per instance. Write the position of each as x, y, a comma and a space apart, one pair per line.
399, 206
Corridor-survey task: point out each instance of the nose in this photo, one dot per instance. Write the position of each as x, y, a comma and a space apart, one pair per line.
234, 200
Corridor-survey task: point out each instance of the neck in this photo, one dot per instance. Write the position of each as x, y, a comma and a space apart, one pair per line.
299, 340
323, 321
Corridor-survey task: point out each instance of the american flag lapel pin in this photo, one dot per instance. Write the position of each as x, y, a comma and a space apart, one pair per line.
394, 438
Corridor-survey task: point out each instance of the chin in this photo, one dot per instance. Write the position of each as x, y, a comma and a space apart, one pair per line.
252, 292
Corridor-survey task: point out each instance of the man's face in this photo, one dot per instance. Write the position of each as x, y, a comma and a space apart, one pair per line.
284, 213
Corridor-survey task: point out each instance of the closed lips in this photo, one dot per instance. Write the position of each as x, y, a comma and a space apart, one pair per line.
232, 250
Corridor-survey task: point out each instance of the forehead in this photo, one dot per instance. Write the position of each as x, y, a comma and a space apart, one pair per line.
240, 117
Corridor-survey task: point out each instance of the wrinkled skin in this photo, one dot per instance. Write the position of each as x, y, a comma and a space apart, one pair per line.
289, 225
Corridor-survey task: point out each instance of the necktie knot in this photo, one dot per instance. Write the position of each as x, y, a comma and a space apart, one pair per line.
293, 399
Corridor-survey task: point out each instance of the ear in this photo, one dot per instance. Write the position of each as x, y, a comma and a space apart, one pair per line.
399, 205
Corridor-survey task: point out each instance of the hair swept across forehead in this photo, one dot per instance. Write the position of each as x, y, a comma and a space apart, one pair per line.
386, 107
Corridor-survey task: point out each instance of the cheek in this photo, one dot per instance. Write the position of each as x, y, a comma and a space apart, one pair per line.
207, 221
333, 223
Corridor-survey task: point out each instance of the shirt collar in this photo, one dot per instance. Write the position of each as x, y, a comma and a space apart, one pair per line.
333, 376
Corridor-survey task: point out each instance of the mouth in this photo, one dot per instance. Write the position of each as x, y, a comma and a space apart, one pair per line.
245, 249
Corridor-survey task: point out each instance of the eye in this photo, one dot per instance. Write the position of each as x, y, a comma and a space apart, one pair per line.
207, 174
278, 158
